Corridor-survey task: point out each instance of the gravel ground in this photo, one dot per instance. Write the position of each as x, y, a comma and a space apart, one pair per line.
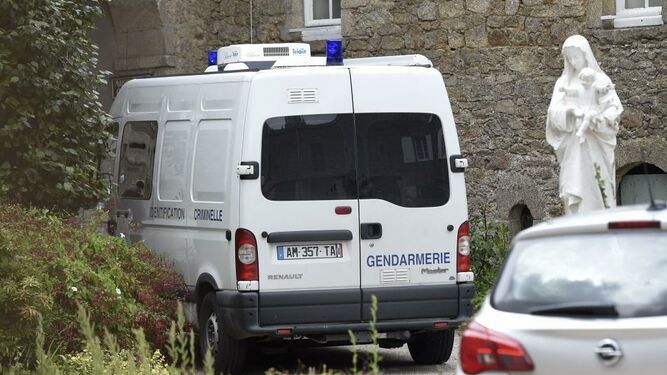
395, 361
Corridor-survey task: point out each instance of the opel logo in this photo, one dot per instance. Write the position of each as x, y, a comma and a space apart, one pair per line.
609, 352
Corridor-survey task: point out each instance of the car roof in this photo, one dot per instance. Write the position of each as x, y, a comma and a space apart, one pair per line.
595, 221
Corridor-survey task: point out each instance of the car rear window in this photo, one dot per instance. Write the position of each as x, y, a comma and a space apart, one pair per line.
624, 269
401, 158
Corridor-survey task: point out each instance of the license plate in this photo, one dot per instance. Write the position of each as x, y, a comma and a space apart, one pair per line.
321, 251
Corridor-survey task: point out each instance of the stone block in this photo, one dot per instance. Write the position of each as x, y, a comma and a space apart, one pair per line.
456, 40
519, 38
458, 24
506, 106
476, 37
392, 42
352, 3
435, 39
495, 21
414, 40
499, 37
427, 11
511, 7
478, 6
452, 8
523, 62
631, 119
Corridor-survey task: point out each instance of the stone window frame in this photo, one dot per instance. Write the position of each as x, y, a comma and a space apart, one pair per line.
646, 16
308, 15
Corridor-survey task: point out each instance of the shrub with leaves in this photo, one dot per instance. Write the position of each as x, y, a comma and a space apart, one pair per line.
102, 355
48, 267
490, 245
52, 126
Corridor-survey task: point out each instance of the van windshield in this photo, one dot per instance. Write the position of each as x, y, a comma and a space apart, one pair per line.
401, 158
587, 274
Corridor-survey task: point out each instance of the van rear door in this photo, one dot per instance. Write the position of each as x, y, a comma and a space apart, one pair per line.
303, 207
410, 205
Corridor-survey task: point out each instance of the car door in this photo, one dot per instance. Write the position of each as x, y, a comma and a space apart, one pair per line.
303, 207
410, 206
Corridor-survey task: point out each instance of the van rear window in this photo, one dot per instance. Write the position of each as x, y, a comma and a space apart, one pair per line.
402, 159
396, 157
308, 158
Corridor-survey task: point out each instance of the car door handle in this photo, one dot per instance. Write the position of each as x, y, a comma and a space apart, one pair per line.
371, 231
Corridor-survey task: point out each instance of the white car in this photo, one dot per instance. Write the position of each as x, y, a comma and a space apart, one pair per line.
583, 294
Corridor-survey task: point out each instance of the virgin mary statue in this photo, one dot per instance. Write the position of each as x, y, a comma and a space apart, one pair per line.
582, 123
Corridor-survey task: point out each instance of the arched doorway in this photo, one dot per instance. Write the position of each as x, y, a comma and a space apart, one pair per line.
520, 218
135, 39
634, 185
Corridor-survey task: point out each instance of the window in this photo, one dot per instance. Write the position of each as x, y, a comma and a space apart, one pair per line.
308, 158
209, 176
171, 181
634, 187
313, 158
137, 153
622, 268
397, 161
631, 13
321, 12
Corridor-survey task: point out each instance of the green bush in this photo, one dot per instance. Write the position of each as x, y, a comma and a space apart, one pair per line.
490, 245
48, 267
52, 126
102, 355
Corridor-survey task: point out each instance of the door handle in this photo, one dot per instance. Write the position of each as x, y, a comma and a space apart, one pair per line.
371, 231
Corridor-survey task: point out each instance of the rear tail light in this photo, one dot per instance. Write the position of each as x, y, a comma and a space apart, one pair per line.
463, 248
246, 256
485, 350
645, 224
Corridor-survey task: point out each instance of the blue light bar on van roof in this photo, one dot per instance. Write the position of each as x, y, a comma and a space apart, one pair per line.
334, 52
213, 57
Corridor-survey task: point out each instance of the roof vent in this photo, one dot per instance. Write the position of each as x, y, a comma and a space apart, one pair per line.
295, 96
276, 51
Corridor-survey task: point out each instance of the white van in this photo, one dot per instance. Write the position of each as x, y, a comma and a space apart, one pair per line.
288, 192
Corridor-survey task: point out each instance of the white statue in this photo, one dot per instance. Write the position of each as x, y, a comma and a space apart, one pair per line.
582, 123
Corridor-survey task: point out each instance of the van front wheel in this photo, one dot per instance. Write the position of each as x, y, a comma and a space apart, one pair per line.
431, 348
228, 353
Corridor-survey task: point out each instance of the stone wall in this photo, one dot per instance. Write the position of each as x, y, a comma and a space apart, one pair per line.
500, 60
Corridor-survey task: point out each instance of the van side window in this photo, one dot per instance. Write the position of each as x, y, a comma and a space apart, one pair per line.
402, 159
209, 176
137, 154
173, 152
308, 157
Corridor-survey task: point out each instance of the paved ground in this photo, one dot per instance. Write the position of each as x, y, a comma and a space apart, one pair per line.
395, 361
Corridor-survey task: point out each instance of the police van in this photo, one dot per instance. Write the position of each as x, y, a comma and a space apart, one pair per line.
289, 189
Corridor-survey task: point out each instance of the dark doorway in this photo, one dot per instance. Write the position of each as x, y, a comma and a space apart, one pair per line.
634, 186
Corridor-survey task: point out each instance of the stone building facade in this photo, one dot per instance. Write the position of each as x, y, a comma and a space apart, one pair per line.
499, 58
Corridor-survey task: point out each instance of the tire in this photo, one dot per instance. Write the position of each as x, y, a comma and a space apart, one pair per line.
229, 354
431, 348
